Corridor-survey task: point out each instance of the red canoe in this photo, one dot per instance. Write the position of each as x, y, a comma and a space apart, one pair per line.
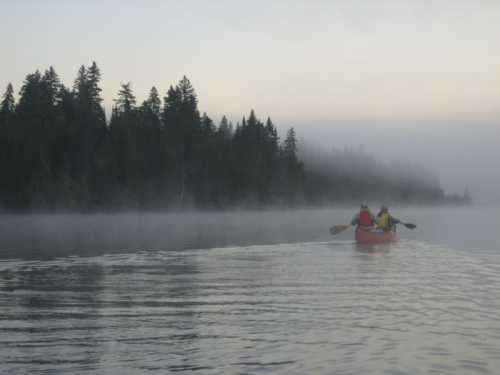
365, 236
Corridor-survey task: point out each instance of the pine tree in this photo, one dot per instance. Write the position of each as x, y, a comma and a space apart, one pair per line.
290, 146
8, 104
272, 138
8, 145
80, 85
126, 98
252, 119
183, 134
30, 91
188, 95
171, 107
87, 137
150, 142
55, 147
93, 77
153, 103
32, 175
293, 169
225, 128
207, 124
53, 86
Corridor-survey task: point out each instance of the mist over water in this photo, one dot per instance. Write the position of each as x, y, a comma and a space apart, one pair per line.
249, 292
48, 236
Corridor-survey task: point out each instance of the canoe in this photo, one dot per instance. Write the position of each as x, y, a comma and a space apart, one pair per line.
365, 236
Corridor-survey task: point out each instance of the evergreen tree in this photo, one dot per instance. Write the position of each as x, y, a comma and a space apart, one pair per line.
8, 104
188, 95
225, 128
88, 133
93, 77
254, 157
30, 94
150, 145
126, 98
7, 144
207, 125
30, 178
183, 133
57, 151
293, 168
124, 136
290, 146
53, 86
80, 85
153, 103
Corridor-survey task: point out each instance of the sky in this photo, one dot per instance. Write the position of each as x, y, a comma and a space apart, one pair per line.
413, 80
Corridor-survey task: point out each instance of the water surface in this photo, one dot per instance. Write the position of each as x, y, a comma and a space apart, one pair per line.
426, 304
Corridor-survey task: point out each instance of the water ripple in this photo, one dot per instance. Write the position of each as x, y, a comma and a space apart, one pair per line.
405, 308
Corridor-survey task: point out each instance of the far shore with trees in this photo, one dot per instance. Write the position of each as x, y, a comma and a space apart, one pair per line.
58, 151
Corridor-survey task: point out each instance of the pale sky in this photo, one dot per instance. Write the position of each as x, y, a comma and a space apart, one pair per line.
418, 78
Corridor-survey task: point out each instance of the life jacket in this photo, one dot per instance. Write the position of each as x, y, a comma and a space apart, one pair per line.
384, 221
365, 218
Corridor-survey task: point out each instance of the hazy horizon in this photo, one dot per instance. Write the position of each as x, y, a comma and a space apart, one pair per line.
407, 80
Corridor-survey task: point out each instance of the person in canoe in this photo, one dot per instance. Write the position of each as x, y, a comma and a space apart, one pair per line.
384, 220
364, 218
370, 229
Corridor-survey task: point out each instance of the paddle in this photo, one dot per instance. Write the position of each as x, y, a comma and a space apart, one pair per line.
409, 225
338, 228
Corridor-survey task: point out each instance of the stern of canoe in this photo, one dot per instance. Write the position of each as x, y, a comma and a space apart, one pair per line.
366, 236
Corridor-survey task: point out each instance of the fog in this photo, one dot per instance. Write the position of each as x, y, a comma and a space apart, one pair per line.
40, 236
461, 153
49, 236
413, 81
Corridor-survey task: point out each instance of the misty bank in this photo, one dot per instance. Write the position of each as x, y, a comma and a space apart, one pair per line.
59, 151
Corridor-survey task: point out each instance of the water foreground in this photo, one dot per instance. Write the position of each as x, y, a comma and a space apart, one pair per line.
412, 307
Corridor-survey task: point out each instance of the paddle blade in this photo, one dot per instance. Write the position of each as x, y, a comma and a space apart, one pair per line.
338, 228
410, 225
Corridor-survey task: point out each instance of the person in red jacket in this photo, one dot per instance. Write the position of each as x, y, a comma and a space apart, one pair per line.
364, 217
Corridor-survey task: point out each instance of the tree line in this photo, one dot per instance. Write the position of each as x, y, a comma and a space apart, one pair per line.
59, 151
353, 175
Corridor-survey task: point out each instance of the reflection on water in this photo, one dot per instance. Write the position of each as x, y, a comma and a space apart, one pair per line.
320, 307
373, 249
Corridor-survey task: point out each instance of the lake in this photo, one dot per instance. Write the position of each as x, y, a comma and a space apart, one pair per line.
249, 293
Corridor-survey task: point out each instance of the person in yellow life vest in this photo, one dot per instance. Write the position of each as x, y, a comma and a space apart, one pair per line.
384, 219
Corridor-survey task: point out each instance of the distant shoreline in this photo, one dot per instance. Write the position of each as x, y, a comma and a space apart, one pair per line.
60, 152
451, 201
